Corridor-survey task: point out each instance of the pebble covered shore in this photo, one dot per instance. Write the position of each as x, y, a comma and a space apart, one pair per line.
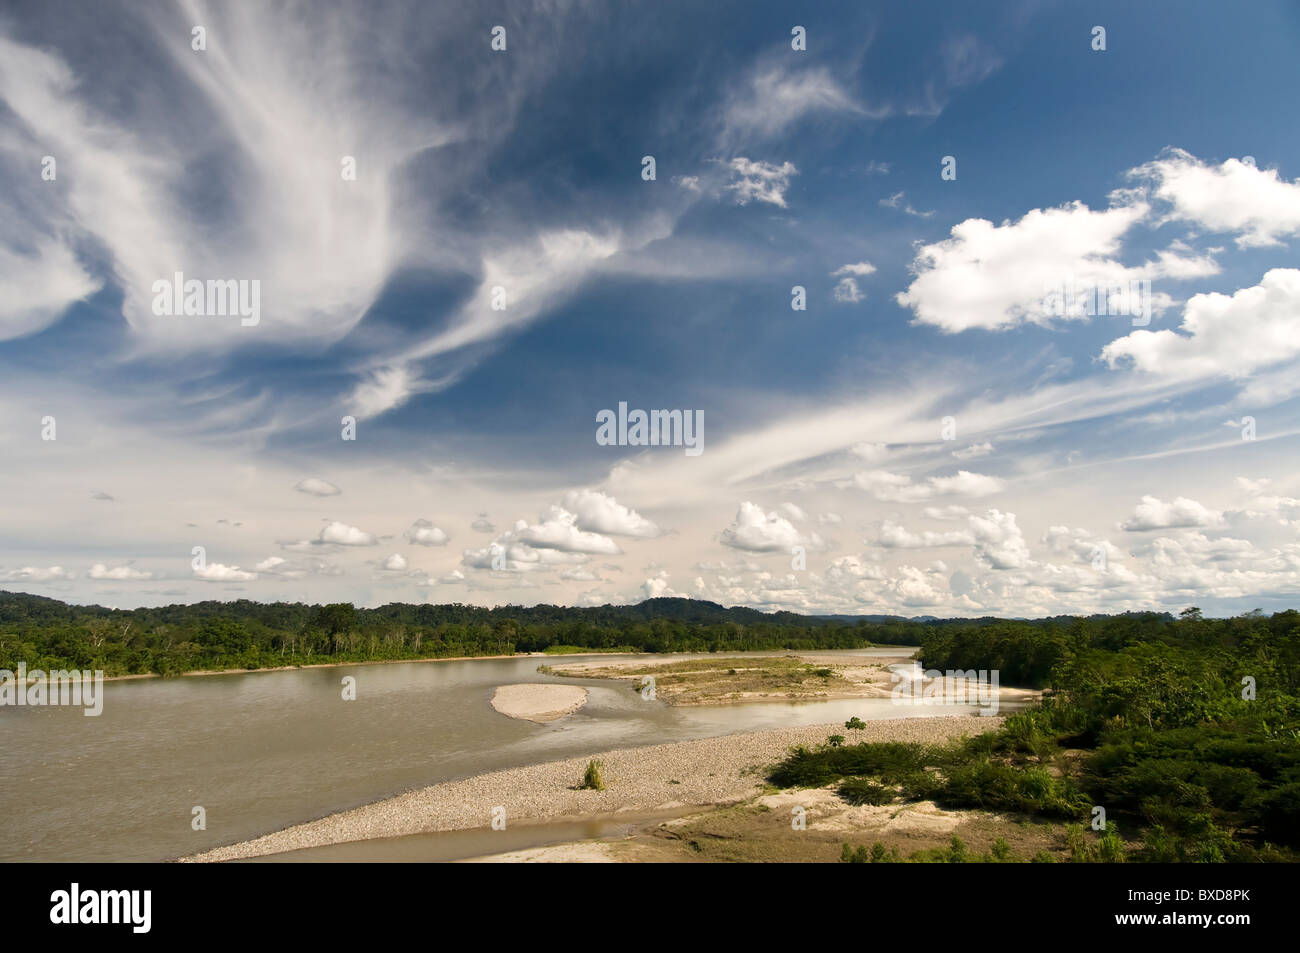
708, 771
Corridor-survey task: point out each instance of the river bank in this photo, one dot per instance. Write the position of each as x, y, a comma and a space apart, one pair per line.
794, 676
703, 773
298, 668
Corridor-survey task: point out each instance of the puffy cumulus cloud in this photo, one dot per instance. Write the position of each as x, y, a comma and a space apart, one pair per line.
1168, 570
758, 181
395, 563
892, 535
1263, 504
657, 586
36, 574
757, 532
600, 513
279, 568
1235, 196
563, 535
217, 572
1221, 335
1154, 513
101, 571
899, 488
859, 270
1195, 548
482, 524
558, 529
1081, 545
1035, 270
996, 539
999, 544
317, 487
853, 568
918, 588
508, 554
424, 533
341, 534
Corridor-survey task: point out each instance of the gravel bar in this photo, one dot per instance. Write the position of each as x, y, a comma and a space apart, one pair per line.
707, 771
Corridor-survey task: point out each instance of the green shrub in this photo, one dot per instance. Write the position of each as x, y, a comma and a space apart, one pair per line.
864, 791
593, 780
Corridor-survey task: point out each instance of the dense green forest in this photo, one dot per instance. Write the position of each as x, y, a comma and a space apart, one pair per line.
1185, 731
49, 634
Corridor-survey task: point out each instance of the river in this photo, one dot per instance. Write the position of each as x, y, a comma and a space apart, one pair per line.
264, 750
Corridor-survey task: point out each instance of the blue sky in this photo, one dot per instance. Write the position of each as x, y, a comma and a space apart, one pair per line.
1096, 462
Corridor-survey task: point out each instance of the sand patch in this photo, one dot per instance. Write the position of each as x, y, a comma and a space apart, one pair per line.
540, 703
828, 812
583, 852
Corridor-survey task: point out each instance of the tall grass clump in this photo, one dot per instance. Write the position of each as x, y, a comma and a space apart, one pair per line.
593, 779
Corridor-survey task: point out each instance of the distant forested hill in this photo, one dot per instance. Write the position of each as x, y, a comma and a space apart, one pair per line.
47, 633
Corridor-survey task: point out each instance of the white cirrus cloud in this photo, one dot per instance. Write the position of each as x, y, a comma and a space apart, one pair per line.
772, 98
974, 450
39, 285
273, 105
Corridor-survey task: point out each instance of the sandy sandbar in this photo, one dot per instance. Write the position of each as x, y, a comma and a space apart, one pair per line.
539, 703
